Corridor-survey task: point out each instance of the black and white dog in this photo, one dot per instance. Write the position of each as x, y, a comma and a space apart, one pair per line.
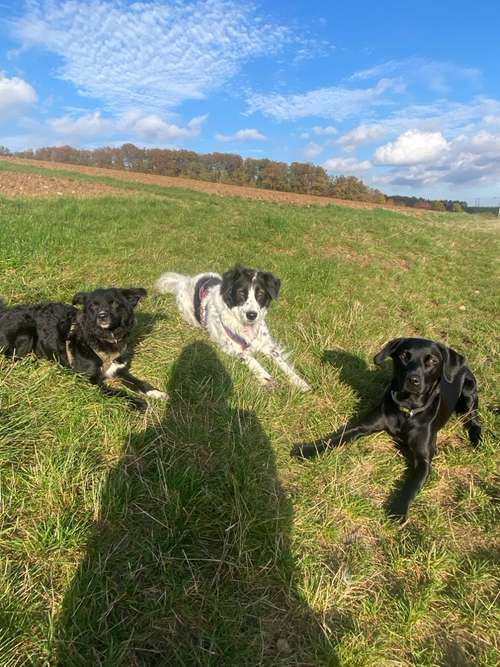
430, 382
232, 308
93, 341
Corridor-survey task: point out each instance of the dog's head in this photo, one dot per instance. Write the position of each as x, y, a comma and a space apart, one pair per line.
109, 313
249, 292
420, 363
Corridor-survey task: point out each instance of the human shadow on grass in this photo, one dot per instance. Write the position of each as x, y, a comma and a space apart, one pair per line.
189, 562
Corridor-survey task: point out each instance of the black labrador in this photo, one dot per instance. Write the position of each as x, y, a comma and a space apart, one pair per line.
93, 341
430, 382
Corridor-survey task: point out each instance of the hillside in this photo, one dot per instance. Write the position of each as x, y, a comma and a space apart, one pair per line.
187, 535
222, 189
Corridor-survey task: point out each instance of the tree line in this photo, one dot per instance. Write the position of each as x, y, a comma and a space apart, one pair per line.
299, 177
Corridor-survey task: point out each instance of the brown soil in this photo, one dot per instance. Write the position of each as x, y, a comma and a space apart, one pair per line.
16, 184
222, 189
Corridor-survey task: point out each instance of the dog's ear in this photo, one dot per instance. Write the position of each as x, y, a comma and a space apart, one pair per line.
452, 362
79, 298
232, 274
229, 277
387, 351
134, 295
272, 284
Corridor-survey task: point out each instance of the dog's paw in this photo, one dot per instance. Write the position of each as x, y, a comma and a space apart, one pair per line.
302, 386
398, 511
137, 403
302, 452
268, 383
156, 393
475, 434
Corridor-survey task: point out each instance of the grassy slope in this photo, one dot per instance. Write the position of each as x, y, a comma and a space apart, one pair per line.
187, 536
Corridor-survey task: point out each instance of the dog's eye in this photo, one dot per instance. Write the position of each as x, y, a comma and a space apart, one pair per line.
405, 356
241, 294
430, 360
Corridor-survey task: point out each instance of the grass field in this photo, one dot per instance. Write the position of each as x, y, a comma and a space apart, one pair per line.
186, 535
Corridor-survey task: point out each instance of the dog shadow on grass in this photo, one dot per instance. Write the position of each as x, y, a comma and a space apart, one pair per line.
370, 386
189, 562
145, 323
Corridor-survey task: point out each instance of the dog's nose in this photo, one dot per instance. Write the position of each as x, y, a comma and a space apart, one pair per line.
102, 315
414, 380
251, 315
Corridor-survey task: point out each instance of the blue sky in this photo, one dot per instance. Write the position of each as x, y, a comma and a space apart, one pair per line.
404, 95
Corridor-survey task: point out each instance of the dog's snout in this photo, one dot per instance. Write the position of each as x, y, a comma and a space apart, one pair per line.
102, 315
414, 380
251, 315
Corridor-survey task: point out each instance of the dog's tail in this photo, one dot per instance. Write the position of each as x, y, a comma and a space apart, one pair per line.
169, 283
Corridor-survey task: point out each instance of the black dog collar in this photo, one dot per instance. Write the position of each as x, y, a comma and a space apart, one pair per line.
411, 412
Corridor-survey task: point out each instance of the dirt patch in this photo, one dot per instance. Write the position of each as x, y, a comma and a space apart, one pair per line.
221, 189
15, 184
350, 255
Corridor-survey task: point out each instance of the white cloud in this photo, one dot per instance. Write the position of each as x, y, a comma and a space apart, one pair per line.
412, 147
250, 134
472, 158
150, 128
337, 102
312, 150
153, 128
346, 165
88, 125
328, 131
362, 134
148, 55
15, 93
492, 120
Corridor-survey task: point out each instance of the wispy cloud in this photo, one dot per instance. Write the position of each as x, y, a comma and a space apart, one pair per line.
88, 125
328, 131
145, 127
335, 102
436, 75
362, 134
250, 134
346, 165
312, 150
153, 128
14, 93
148, 55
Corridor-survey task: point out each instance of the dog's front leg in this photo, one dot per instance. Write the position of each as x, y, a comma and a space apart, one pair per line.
134, 383
263, 376
373, 423
421, 449
133, 401
280, 359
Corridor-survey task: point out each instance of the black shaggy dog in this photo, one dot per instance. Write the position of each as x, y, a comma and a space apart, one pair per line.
93, 341
430, 382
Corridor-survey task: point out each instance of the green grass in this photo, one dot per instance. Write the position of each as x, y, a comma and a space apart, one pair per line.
187, 536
